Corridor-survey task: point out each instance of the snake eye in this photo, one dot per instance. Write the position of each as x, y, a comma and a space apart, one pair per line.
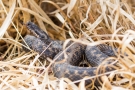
28, 23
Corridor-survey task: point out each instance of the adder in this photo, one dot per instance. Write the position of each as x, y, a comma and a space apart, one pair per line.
67, 60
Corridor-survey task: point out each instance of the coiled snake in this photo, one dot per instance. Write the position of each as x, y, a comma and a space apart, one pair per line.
68, 67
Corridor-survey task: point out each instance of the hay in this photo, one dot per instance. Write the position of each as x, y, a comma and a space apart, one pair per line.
93, 21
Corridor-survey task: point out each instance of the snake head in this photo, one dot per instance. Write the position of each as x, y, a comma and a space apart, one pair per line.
38, 32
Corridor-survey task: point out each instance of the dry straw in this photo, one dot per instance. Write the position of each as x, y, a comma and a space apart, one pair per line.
90, 22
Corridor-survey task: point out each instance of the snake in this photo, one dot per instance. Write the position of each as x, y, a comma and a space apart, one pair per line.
67, 59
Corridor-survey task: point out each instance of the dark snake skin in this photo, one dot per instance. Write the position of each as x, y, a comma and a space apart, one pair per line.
75, 52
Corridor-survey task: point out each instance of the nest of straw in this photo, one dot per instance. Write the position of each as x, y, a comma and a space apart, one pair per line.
98, 21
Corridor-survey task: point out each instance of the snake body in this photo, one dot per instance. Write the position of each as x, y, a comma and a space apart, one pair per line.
68, 67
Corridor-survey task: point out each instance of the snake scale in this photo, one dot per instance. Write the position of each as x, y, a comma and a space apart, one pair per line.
68, 67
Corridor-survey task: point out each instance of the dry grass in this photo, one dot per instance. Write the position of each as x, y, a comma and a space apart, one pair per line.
98, 21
